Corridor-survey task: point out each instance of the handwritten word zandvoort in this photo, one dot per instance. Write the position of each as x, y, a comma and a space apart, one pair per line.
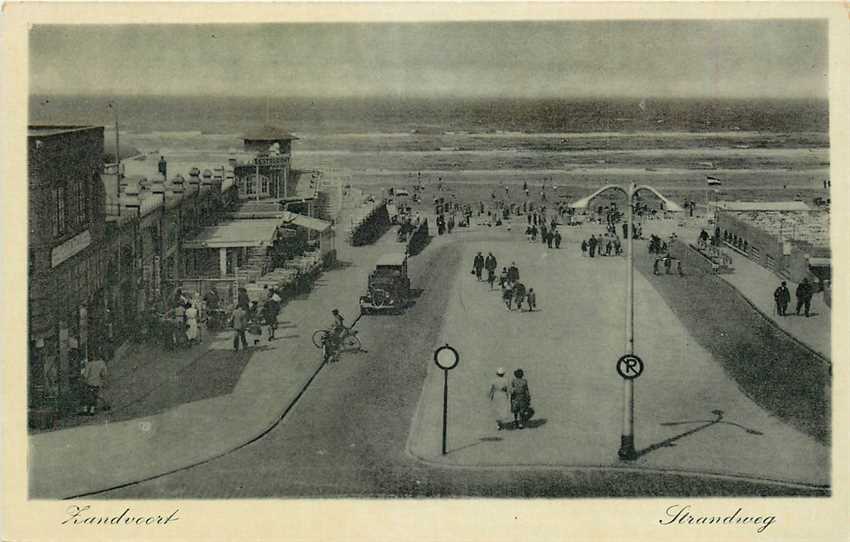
79, 515
681, 515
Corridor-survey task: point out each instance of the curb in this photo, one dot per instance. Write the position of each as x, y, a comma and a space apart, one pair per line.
266, 428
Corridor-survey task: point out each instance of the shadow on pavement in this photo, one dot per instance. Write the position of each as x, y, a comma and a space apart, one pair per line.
705, 424
472, 444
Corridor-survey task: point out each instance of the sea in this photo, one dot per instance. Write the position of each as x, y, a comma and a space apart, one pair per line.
765, 148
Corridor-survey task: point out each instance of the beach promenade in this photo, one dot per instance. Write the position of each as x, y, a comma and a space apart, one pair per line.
692, 419
690, 415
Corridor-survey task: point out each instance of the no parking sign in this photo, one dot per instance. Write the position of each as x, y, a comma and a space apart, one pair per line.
630, 366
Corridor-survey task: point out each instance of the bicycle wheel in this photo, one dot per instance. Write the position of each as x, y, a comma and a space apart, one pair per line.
351, 342
319, 337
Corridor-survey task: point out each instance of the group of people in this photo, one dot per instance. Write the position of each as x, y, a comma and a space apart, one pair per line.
514, 292
608, 245
550, 236
804, 293
510, 399
186, 315
657, 245
248, 313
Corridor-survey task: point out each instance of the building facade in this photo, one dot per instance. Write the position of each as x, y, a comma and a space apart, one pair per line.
267, 175
794, 244
97, 263
67, 270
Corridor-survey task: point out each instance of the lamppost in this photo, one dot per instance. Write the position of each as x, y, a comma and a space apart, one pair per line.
627, 439
629, 366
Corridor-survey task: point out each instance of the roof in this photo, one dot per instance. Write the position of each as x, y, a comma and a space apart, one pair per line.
393, 259
762, 205
47, 130
268, 133
236, 233
315, 224
820, 262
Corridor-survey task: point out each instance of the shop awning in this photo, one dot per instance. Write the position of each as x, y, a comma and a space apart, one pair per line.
236, 233
820, 262
310, 223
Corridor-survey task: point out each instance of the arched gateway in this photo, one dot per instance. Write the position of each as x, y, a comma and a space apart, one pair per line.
669, 204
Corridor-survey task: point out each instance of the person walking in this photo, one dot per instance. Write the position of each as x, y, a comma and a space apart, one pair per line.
531, 297
513, 273
490, 265
499, 398
503, 278
591, 246
557, 239
584, 247
239, 323
519, 294
782, 297
192, 330
507, 295
94, 376
804, 296
520, 399
269, 316
478, 265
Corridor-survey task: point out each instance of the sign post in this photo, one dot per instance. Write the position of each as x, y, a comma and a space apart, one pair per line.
627, 440
446, 359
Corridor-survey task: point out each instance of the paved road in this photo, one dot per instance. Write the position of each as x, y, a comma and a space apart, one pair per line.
347, 434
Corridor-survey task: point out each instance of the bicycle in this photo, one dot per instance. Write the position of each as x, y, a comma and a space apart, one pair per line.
349, 341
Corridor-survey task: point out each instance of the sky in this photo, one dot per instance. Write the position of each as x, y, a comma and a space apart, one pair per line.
729, 59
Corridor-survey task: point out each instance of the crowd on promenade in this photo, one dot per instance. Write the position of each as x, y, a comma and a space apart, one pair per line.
514, 398
515, 294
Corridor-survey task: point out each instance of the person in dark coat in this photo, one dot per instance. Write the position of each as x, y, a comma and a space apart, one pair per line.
478, 265
591, 246
520, 399
490, 265
584, 247
782, 297
557, 239
804, 296
513, 273
519, 294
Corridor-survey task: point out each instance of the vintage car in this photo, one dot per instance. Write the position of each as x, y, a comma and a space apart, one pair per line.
389, 285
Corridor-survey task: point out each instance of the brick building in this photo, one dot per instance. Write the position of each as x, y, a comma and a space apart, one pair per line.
67, 271
103, 248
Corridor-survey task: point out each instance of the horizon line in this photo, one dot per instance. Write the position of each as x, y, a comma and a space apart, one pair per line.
432, 97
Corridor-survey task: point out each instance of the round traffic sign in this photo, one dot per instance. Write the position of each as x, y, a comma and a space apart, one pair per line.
446, 357
630, 366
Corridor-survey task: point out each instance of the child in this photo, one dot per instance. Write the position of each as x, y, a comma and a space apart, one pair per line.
507, 295
531, 297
